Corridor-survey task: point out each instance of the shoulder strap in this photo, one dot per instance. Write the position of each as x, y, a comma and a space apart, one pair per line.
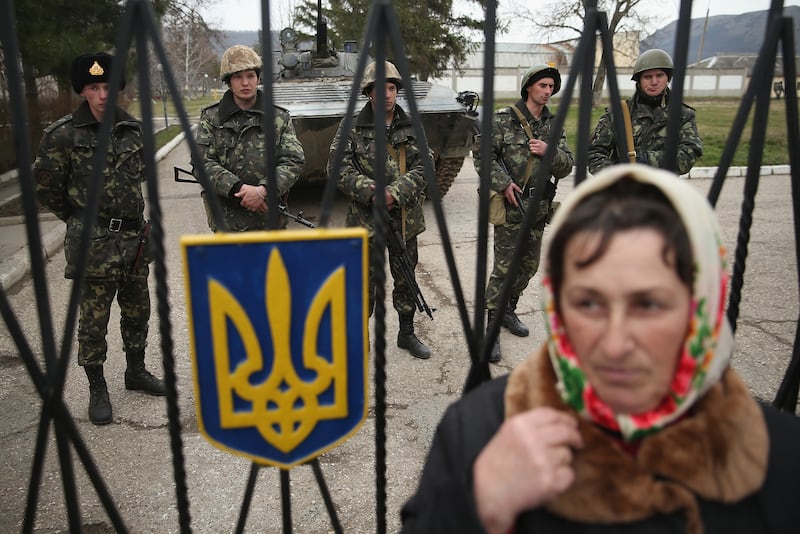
398, 155
523, 121
626, 114
529, 133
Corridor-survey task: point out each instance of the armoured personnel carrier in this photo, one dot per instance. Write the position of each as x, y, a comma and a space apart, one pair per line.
314, 84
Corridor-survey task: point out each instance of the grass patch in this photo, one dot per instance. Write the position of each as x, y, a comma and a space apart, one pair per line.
166, 135
715, 118
192, 106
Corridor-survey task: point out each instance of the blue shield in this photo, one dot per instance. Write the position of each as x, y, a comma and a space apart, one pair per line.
278, 333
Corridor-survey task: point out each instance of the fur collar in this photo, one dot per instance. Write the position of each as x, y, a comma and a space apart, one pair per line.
717, 452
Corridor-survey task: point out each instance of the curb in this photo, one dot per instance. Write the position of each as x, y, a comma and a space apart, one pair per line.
18, 265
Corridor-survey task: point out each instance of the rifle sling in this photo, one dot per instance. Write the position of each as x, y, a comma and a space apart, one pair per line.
529, 133
626, 115
399, 156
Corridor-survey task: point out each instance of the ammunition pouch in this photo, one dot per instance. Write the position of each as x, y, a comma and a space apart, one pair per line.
497, 207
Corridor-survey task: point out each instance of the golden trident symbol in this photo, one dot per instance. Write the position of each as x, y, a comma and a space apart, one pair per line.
285, 408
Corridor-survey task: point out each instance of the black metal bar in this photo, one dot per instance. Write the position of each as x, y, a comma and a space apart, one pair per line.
789, 389
144, 16
378, 255
248, 497
480, 340
586, 65
754, 158
616, 102
19, 121
675, 111
268, 124
765, 63
286, 501
36, 475
326, 496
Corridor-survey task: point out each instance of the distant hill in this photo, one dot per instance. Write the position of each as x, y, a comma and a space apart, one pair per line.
726, 34
230, 38
248, 38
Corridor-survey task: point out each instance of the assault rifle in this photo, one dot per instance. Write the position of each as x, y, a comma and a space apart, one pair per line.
405, 262
406, 268
517, 194
281, 207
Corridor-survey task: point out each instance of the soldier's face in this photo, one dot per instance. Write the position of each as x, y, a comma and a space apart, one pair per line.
541, 90
96, 95
244, 85
391, 96
653, 82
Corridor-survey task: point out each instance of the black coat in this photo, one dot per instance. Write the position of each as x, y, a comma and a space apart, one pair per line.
444, 501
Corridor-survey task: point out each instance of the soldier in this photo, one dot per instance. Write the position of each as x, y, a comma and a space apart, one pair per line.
648, 116
405, 191
520, 136
231, 142
118, 259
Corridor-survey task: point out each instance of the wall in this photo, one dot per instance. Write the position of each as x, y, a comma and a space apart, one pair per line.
698, 83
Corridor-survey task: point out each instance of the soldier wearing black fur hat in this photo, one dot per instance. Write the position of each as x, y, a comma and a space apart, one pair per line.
118, 258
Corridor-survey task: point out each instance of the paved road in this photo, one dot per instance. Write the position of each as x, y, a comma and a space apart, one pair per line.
133, 453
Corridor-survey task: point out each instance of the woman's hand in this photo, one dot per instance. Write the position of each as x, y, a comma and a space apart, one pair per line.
527, 462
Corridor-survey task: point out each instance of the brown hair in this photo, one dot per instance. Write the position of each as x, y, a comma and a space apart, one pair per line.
625, 205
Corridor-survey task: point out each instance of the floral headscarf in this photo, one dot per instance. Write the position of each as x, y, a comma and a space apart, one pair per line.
708, 346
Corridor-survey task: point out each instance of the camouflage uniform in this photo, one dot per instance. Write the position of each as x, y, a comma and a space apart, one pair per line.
231, 142
510, 144
63, 170
355, 179
649, 123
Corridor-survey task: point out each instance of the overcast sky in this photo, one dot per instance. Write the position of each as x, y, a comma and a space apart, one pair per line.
246, 14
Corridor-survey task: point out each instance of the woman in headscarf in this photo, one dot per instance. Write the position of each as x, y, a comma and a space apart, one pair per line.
629, 418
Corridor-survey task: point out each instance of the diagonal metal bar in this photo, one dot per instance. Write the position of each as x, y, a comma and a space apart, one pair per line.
248, 497
754, 158
326, 496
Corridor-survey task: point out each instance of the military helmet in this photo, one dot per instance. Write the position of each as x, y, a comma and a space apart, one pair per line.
537, 72
392, 75
652, 59
236, 59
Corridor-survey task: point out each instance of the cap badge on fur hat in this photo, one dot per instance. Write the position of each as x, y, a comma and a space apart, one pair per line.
96, 69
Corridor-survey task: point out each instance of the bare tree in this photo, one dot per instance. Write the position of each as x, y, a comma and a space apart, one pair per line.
191, 46
563, 19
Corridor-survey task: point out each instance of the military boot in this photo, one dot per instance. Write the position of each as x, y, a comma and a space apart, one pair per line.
99, 403
495, 356
140, 379
512, 322
406, 339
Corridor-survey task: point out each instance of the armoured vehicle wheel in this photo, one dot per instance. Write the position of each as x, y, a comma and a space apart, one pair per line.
446, 172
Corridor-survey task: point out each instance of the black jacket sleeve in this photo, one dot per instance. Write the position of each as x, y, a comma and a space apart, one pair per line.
444, 501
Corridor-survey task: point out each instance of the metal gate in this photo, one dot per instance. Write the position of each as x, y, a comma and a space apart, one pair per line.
47, 366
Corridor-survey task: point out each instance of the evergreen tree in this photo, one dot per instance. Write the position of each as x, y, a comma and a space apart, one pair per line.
434, 39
